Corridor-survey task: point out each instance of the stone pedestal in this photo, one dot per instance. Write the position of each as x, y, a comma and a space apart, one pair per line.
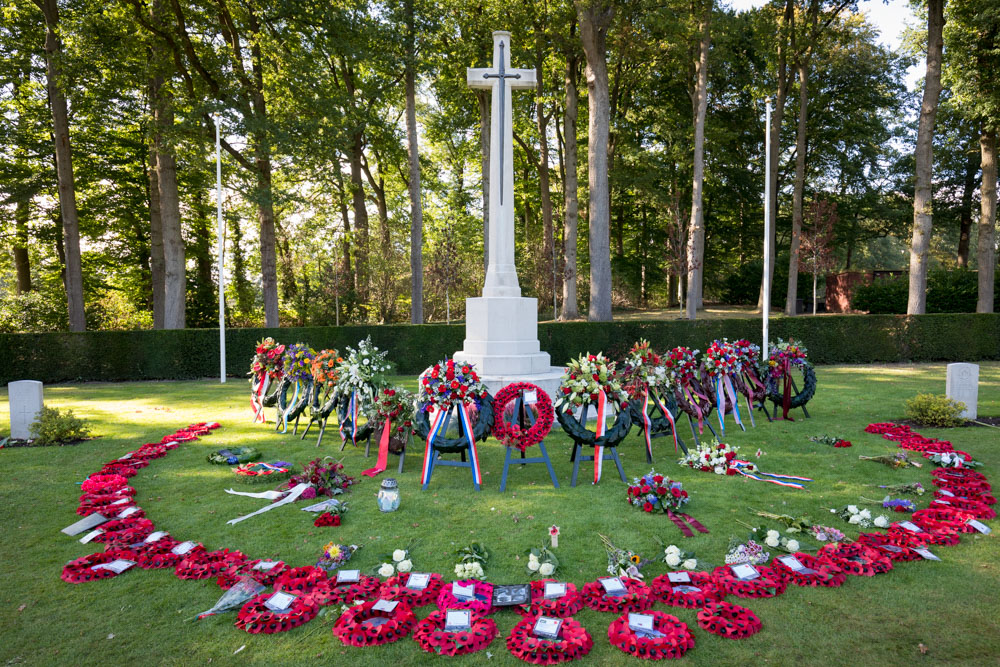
25, 398
962, 384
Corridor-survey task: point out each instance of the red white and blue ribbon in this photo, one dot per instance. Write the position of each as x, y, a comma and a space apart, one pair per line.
739, 465
602, 406
647, 423
436, 423
731, 392
720, 404
670, 418
463, 414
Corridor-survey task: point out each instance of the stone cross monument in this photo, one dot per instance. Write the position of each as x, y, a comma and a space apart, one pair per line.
501, 330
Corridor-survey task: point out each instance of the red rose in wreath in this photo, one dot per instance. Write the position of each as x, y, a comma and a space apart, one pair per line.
362, 625
507, 431
432, 637
675, 642
573, 643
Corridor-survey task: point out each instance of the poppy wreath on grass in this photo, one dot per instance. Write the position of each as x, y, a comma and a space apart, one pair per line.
98, 483
728, 620
970, 487
927, 446
82, 569
956, 518
358, 627
675, 642
103, 503
162, 561
112, 528
561, 607
826, 575
664, 591
307, 581
904, 543
481, 605
137, 532
395, 588
255, 618
207, 564
232, 574
481, 428
978, 496
960, 476
804, 394
150, 451
510, 434
366, 588
118, 469
108, 492
130, 460
146, 550
976, 508
886, 427
638, 597
941, 533
769, 584
856, 559
236, 455
433, 638
573, 643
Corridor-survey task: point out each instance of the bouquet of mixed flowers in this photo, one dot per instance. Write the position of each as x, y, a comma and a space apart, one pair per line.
675, 557
397, 562
827, 534
325, 477
894, 460
916, 488
749, 353
297, 362
721, 359
953, 460
324, 366
541, 562
335, 555
394, 404
471, 560
653, 491
622, 562
585, 377
260, 471
894, 504
771, 538
363, 371
745, 552
715, 457
449, 382
681, 365
794, 524
830, 440
644, 368
332, 516
862, 518
790, 351
267, 358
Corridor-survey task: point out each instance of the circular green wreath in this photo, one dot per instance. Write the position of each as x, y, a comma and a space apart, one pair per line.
242, 454
300, 405
364, 430
805, 393
611, 438
480, 430
321, 410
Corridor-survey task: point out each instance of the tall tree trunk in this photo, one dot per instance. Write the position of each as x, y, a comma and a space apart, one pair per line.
784, 28
265, 202
923, 190
64, 167
360, 216
22, 263
696, 235
413, 157
346, 268
483, 97
542, 120
155, 236
595, 19
799, 190
570, 310
965, 226
174, 278
986, 254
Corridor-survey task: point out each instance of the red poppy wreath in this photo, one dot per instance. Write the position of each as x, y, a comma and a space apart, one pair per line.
207, 564
119, 469
824, 572
675, 640
433, 638
857, 559
123, 532
232, 574
482, 604
362, 625
509, 433
256, 618
108, 503
307, 581
897, 547
638, 597
395, 588
366, 588
162, 561
768, 585
976, 508
573, 643
82, 569
949, 516
942, 533
146, 551
728, 620
98, 483
691, 594
561, 607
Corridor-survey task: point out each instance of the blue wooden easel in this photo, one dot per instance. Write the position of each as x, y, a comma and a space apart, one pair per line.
525, 417
436, 459
610, 453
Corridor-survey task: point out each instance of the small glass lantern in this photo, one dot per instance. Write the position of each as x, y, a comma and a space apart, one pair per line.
388, 495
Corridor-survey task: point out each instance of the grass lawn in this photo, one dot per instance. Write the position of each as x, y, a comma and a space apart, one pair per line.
952, 607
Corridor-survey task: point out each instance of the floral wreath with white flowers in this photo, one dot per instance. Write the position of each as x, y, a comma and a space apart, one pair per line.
364, 371
584, 379
681, 365
717, 457
644, 368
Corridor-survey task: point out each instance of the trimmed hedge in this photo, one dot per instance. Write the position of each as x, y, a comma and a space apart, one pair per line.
193, 353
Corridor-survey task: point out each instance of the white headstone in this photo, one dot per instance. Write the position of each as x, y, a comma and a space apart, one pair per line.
25, 403
963, 385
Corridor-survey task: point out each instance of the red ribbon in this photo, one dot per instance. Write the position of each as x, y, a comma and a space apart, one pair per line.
679, 518
383, 450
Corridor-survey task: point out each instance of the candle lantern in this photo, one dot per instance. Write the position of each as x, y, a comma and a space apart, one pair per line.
388, 495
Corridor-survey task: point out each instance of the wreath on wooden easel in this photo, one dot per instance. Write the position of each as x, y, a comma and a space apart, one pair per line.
447, 384
689, 394
782, 358
587, 379
510, 434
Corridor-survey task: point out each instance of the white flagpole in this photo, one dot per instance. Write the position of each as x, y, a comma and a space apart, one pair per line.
222, 252
767, 224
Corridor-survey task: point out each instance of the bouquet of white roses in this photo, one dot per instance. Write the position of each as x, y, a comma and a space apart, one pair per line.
541, 562
471, 561
398, 562
363, 370
862, 518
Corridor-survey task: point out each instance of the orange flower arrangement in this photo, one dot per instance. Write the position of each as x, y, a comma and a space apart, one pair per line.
324, 366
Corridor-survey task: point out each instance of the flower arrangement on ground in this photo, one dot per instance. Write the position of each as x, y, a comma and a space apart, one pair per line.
675, 557
541, 562
793, 524
297, 362
915, 488
334, 555
953, 460
894, 504
324, 366
331, 517
827, 534
772, 538
397, 562
471, 560
267, 359
325, 477
745, 552
623, 562
449, 382
830, 440
717, 457
862, 518
585, 378
363, 370
263, 472
653, 491
895, 460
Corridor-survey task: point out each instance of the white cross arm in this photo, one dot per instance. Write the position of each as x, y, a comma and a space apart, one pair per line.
475, 79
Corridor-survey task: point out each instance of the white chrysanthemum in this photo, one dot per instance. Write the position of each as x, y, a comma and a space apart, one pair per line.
546, 569
387, 570
398, 555
405, 565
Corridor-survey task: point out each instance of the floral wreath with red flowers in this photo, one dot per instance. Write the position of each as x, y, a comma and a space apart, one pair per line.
561, 607
900, 547
395, 588
362, 625
790, 351
644, 368
681, 365
717, 457
256, 618
728, 620
825, 573
975, 506
396, 405
130, 534
99, 502
856, 559
481, 604
769, 584
119, 469
748, 352
941, 533
886, 427
674, 641
447, 383
963, 487
267, 359
168, 559
364, 589
573, 643
83, 569
654, 492
638, 597
948, 516
433, 638
147, 551
98, 483
266, 576
506, 429
207, 564
584, 379
721, 359
690, 594
307, 581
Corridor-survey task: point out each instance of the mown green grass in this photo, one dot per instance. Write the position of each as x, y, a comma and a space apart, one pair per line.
951, 608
